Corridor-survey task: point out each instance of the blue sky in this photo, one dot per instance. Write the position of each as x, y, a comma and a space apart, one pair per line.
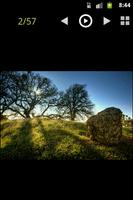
106, 89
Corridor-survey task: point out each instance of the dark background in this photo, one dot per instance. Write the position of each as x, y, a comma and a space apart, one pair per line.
51, 45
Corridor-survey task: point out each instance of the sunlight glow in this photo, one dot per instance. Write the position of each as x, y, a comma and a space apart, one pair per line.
38, 92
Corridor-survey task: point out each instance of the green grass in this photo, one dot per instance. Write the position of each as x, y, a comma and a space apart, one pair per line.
41, 139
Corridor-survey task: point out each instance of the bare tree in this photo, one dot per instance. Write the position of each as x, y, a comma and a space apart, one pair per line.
75, 102
27, 90
6, 88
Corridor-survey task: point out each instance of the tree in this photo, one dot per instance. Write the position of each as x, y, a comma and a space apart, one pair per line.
6, 99
28, 90
75, 102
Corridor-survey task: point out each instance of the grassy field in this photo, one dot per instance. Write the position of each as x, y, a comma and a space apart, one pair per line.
41, 139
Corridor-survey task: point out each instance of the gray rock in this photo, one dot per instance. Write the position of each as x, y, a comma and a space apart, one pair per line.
106, 126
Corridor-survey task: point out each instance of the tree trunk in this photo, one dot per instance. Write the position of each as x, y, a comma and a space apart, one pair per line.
27, 114
72, 117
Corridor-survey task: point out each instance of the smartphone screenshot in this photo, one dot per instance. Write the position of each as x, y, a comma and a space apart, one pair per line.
66, 80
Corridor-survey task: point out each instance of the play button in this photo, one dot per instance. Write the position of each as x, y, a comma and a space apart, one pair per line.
106, 20
85, 21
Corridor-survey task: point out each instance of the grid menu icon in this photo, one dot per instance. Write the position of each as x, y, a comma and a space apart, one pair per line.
124, 20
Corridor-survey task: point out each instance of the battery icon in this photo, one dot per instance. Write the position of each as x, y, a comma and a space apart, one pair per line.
109, 5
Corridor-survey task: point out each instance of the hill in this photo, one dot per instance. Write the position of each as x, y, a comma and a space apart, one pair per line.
42, 139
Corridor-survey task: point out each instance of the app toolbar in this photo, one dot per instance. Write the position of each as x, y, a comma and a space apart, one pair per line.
98, 16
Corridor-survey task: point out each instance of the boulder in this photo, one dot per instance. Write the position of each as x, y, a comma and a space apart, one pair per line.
106, 126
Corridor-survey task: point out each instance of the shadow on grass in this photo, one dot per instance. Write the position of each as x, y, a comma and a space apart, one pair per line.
4, 125
63, 145
125, 148
20, 146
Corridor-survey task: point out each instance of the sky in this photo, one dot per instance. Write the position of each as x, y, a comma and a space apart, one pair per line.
106, 89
